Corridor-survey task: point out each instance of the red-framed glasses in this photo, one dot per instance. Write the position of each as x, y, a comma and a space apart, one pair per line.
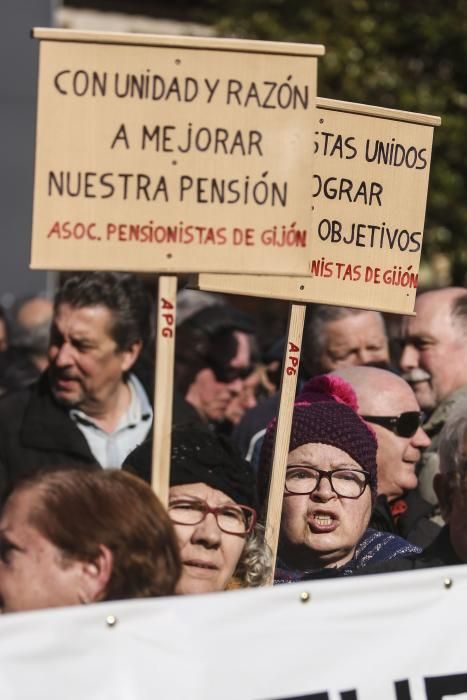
232, 518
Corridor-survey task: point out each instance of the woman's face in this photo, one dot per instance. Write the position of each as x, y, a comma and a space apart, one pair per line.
322, 529
209, 555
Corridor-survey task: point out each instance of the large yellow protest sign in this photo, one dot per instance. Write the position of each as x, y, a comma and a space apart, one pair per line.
173, 154
368, 193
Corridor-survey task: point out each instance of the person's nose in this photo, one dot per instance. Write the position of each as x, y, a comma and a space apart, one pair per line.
364, 356
236, 386
323, 492
249, 401
420, 439
61, 355
409, 358
207, 532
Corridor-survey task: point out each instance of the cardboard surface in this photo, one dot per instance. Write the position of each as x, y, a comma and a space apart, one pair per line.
368, 194
194, 155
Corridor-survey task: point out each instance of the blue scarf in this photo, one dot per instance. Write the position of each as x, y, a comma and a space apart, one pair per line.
374, 548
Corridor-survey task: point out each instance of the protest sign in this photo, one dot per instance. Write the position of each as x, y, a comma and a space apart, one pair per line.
368, 195
390, 637
173, 154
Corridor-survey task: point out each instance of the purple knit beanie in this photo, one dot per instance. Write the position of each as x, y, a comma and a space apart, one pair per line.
325, 411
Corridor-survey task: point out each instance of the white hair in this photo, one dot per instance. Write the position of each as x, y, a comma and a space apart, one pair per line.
255, 565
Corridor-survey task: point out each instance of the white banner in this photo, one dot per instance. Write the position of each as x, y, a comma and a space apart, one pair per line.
388, 637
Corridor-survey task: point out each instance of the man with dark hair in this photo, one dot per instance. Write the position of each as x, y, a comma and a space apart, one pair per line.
434, 362
71, 537
212, 360
87, 407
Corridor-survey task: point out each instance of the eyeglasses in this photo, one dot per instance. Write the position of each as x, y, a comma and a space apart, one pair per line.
405, 425
232, 519
345, 482
227, 374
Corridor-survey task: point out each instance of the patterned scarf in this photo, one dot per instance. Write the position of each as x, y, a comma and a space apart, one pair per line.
374, 548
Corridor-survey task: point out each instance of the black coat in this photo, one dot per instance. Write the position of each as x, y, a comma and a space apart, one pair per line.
408, 516
183, 413
36, 433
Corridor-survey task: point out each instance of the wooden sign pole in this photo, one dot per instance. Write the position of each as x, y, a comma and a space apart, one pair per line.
163, 390
284, 423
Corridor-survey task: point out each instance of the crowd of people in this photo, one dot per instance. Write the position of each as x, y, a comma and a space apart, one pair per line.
376, 476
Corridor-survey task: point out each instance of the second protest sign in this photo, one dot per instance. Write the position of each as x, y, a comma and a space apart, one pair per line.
368, 194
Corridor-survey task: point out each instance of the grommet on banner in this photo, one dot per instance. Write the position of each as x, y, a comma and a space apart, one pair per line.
111, 620
448, 582
305, 596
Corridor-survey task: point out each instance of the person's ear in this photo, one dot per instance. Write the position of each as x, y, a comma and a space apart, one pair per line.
443, 488
131, 354
96, 576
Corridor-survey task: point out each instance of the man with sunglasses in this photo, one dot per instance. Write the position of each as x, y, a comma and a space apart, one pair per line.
389, 405
212, 361
450, 483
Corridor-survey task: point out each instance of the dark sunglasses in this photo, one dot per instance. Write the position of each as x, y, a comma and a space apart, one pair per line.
405, 425
226, 374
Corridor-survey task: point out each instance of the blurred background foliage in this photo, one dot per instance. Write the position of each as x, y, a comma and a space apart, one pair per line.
409, 55
403, 54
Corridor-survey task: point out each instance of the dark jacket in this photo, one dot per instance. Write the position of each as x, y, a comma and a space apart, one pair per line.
438, 553
183, 413
255, 420
35, 433
408, 517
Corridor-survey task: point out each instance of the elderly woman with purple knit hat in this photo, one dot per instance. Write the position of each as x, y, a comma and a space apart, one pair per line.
330, 487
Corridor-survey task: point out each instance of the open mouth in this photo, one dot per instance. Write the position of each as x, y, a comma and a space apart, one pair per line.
61, 382
322, 522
